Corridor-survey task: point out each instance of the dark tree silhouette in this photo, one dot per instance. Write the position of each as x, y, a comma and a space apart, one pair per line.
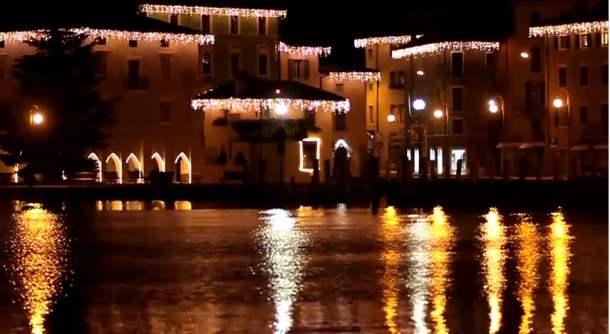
60, 79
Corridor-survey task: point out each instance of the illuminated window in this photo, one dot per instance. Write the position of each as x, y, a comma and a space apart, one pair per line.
562, 42
456, 156
584, 41
298, 69
310, 151
604, 39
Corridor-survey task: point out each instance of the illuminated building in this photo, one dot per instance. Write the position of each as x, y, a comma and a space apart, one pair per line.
566, 58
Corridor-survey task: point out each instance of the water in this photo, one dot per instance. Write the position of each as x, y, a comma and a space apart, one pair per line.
127, 269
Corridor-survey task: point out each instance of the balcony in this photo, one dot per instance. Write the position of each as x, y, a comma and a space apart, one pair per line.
268, 130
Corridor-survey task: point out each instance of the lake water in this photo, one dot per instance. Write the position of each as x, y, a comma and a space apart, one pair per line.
120, 267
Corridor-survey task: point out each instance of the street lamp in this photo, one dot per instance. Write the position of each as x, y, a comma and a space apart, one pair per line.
419, 105
493, 108
391, 118
281, 109
37, 118
420, 72
439, 114
524, 55
558, 103
35, 115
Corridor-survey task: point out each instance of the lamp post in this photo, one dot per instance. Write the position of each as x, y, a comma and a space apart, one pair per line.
493, 108
281, 110
35, 116
558, 103
419, 105
439, 114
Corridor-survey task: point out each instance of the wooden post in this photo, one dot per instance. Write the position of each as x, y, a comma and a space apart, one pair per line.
327, 177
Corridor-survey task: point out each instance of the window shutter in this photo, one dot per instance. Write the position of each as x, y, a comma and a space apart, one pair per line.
290, 69
305, 69
598, 39
568, 42
556, 42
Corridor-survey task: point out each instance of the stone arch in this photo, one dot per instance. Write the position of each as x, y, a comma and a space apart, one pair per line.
97, 160
160, 162
133, 163
183, 168
115, 166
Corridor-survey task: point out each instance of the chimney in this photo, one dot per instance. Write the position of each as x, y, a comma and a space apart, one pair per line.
240, 82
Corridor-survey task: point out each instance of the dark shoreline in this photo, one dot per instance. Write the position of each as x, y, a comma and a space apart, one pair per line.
465, 195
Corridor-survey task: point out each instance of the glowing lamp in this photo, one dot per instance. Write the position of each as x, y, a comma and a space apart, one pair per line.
281, 109
493, 108
558, 103
524, 55
420, 72
419, 104
37, 118
391, 118
438, 113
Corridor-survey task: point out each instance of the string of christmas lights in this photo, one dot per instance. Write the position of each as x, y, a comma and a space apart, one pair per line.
252, 105
21, 36
568, 29
444, 46
355, 76
225, 11
304, 51
394, 40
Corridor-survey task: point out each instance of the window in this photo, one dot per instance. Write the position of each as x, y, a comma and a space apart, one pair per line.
133, 73
401, 110
457, 126
133, 44
206, 63
234, 25
309, 115
535, 59
582, 115
298, 68
584, 76
457, 156
166, 65
371, 115
604, 39
173, 19
234, 62
535, 95
584, 41
340, 121
262, 26
206, 26
165, 115
563, 77
562, 42
101, 64
309, 153
457, 98
263, 64
393, 109
3, 67
605, 74
561, 116
100, 41
397, 79
369, 53
164, 43
2, 43
457, 64
534, 19
339, 86
370, 84
490, 60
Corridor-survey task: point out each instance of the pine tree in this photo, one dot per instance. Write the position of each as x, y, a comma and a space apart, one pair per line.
58, 81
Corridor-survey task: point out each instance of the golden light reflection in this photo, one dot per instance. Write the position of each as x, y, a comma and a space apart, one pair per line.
391, 235
282, 244
559, 248
419, 233
494, 258
38, 250
183, 205
134, 205
443, 235
528, 256
114, 205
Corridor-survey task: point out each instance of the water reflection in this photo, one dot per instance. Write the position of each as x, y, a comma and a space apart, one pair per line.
494, 258
390, 256
559, 244
183, 205
38, 253
528, 256
442, 243
419, 245
283, 244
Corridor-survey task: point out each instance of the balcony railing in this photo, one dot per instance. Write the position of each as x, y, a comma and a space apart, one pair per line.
266, 130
